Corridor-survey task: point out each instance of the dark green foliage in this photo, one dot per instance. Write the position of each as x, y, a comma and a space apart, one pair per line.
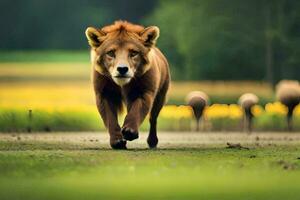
217, 39
55, 24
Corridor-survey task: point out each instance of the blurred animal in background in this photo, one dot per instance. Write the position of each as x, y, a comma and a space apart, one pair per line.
198, 100
247, 101
288, 93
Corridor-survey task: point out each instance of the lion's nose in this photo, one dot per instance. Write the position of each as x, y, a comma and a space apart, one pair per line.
122, 70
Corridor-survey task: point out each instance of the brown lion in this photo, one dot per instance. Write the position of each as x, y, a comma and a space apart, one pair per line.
128, 69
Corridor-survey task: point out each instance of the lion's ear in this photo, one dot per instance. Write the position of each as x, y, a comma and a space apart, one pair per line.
94, 36
150, 35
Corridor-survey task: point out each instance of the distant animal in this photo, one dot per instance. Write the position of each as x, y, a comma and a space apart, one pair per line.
288, 93
128, 69
198, 100
247, 101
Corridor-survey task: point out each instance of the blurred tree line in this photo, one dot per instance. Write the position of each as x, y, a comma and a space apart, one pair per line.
60, 24
203, 39
231, 39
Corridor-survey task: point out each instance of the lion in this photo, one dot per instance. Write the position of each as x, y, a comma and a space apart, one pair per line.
128, 69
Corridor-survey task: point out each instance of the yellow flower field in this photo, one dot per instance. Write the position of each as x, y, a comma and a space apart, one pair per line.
79, 96
233, 111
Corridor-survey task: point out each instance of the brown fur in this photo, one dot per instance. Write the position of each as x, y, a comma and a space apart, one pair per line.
143, 89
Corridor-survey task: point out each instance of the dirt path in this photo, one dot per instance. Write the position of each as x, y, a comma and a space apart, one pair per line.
166, 140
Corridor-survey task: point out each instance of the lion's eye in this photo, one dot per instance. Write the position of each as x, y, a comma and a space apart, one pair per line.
111, 53
133, 53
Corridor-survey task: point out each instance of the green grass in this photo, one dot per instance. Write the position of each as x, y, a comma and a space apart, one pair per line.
37, 170
227, 99
17, 120
45, 56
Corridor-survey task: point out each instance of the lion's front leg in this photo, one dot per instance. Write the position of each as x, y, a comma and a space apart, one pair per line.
109, 114
137, 111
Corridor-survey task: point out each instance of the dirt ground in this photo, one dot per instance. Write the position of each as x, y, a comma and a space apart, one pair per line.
166, 139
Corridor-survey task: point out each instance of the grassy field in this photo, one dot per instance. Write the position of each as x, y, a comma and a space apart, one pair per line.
61, 98
185, 166
20, 77
56, 87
